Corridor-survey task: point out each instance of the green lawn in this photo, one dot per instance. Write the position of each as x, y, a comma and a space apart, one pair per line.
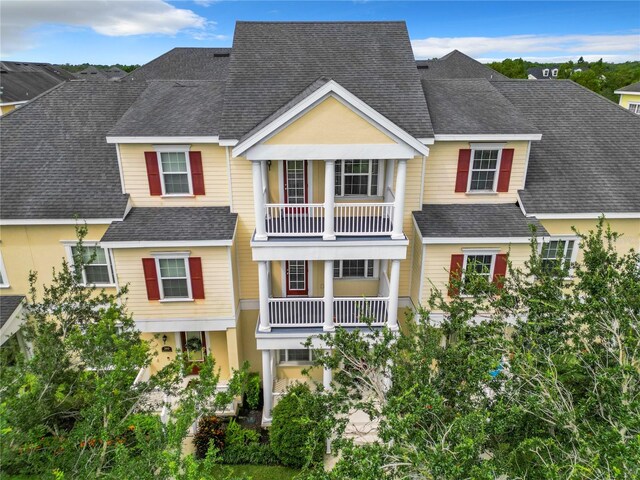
257, 472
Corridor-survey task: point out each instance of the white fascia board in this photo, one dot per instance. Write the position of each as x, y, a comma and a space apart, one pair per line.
390, 250
287, 341
178, 140
330, 87
185, 325
13, 324
626, 92
228, 143
584, 216
330, 152
427, 141
473, 240
486, 138
8, 104
168, 244
58, 221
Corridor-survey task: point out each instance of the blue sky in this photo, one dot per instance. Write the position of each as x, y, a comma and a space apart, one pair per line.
136, 31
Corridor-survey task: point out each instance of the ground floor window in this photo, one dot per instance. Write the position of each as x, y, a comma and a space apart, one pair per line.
354, 269
295, 356
194, 344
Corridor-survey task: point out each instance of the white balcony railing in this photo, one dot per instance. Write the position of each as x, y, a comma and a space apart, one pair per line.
309, 312
308, 219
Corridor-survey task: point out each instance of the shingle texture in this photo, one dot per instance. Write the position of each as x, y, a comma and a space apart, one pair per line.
22, 81
54, 158
173, 224
8, 305
185, 64
589, 157
472, 106
456, 65
171, 108
634, 87
475, 220
273, 62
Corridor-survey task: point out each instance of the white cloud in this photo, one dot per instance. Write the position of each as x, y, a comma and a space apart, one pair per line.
205, 3
533, 47
109, 17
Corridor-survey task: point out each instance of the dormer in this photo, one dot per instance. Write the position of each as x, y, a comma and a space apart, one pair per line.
554, 72
545, 72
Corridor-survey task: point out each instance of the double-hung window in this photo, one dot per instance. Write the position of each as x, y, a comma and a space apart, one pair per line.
354, 268
173, 276
174, 173
295, 356
97, 269
480, 264
634, 108
555, 251
483, 174
357, 178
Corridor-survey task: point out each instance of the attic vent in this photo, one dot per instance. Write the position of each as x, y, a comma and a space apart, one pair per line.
423, 67
221, 55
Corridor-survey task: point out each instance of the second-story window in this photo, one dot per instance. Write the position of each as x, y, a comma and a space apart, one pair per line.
174, 168
97, 264
557, 251
354, 269
357, 178
174, 278
484, 170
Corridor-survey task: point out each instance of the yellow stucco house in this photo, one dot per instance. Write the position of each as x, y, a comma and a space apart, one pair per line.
630, 97
255, 196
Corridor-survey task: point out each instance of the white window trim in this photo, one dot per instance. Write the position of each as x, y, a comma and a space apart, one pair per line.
635, 104
554, 72
286, 362
370, 186
68, 245
475, 148
376, 270
545, 72
472, 252
5, 280
174, 149
172, 256
574, 253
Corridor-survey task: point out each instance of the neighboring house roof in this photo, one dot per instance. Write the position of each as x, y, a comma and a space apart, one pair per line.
273, 62
23, 81
167, 224
537, 72
54, 157
114, 72
185, 64
92, 73
8, 305
587, 160
456, 65
633, 88
174, 108
472, 106
469, 220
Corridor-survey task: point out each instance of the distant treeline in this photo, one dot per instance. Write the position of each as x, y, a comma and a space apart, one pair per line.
76, 68
600, 77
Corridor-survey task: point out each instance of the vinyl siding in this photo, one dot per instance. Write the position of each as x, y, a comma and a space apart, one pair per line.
416, 267
627, 98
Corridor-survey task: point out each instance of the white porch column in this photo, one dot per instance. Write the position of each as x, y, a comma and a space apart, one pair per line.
327, 377
328, 296
263, 285
398, 206
265, 182
388, 179
267, 384
329, 199
382, 288
258, 201
394, 285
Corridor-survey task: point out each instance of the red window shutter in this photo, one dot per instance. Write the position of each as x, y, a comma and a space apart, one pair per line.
151, 278
500, 270
153, 173
462, 178
505, 170
197, 284
197, 176
455, 272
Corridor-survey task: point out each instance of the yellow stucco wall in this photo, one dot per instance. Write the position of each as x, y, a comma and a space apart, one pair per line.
627, 98
214, 166
37, 248
217, 277
442, 166
329, 122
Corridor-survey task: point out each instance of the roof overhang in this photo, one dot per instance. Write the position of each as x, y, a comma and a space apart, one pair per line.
626, 92
56, 221
445, 137
13, 323
8, 104
475, 240
584, 215
167, 243
159, 140
407, 142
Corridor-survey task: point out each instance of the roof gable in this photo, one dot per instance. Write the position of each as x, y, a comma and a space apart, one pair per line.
456, 64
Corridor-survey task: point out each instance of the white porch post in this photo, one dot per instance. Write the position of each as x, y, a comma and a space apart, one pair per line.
383, 289
265, 182
267, 384
398, 206
329, 199
394, 285
328, 296
263, 285
327, 377
388, 179
258, 201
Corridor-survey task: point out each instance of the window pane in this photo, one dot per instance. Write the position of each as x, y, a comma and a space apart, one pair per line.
297, 280
172, 267
356, 185
370, 269
175, 288
299, 355
338, 177
482, 180
353, 268
176, 183
97, 274
374, 177
480, 264
174, 162
336, 268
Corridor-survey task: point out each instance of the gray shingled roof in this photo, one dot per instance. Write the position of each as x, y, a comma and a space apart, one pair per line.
8, 305
634, 87
185, 64
475, 220
173, 224
54, 158
588, 159
173, 108
273, 62
472, 106
22, 81
456, 65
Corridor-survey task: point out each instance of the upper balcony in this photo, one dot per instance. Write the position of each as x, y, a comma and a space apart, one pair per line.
329, 198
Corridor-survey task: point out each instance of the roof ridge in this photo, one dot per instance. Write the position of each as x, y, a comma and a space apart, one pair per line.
29, 102
356, 22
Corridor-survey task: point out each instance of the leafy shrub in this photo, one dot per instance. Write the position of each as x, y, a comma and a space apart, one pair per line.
296, 437
253, 395
210, 433
242, 446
